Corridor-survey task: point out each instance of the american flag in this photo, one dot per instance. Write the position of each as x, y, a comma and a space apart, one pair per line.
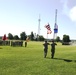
48, 29
49, 32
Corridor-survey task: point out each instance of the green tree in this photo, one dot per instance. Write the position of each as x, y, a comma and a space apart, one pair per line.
58, 39
16, 37
41, 38
66, 38
23, 36
10, 36
32, 36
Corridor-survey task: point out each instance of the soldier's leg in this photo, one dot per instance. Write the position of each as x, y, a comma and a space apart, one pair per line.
44, 54
52, 54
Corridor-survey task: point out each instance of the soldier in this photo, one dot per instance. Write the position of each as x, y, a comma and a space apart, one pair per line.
53, 49
45, 48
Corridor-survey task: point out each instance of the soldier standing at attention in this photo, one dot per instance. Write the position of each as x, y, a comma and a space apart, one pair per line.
45, 48
53, 49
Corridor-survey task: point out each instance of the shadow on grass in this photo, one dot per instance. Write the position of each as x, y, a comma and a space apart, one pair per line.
66, 60
0, 48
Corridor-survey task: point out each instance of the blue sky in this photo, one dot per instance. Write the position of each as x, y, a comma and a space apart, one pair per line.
17, 16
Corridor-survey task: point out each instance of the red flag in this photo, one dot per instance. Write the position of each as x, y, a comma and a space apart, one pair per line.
4, 37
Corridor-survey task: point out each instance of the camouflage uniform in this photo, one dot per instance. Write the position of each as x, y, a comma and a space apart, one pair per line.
53, 49
45, 48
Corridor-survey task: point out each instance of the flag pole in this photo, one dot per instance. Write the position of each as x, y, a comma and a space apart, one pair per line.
55, 22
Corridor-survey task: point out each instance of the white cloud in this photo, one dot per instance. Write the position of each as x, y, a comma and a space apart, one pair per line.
65, 9
72, 14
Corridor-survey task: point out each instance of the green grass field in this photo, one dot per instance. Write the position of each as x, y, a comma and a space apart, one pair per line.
30, 60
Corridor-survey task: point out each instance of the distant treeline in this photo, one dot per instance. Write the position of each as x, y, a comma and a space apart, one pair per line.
24, 36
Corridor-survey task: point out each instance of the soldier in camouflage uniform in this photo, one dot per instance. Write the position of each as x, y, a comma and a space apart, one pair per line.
53, 49
45, 48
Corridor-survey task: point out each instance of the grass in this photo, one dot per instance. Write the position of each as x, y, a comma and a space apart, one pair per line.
29, 60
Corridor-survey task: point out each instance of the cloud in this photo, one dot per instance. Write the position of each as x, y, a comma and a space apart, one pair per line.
65, 9
71, 3
72, 14
69, 9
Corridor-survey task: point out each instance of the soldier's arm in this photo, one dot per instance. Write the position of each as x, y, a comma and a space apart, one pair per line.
55, 44
44, 44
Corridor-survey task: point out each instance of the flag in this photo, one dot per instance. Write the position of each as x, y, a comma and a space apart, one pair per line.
4, 37
49, 32
48, 29
56, 28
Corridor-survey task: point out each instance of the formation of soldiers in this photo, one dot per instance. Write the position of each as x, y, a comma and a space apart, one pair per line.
13, 43
52, 48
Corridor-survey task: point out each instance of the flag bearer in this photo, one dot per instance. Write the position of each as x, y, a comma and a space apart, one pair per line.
45, 48
53, 49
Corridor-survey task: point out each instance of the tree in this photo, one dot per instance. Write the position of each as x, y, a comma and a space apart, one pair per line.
41, 38
58, 39
16, 37
32, 36
10, 36
66, 38
23, 36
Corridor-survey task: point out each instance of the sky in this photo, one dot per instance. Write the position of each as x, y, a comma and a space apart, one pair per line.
18, 16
